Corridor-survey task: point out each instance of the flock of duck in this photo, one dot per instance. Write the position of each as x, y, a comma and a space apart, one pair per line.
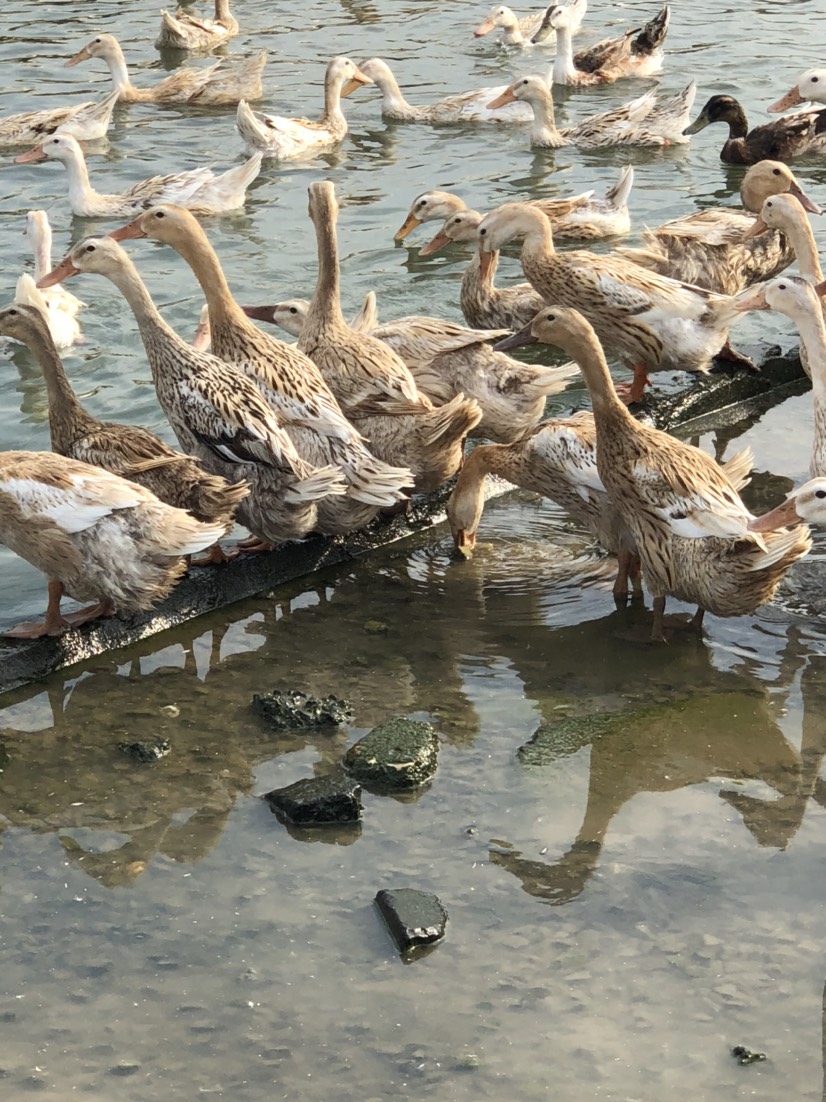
325, 434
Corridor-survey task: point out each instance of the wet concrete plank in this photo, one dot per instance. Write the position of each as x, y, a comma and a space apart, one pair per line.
714, 399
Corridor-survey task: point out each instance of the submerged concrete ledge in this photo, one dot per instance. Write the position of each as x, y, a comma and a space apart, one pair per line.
716, 399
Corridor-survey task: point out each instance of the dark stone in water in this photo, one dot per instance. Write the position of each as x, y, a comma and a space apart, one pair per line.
318, 800
745, 1055
414, 918
146, 750
398, 754
286, 709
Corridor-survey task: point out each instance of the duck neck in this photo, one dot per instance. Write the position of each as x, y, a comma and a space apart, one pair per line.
42, 249
66, 414
511, 31
332, 97
738, 124
194, 247
564, 71
543, 128
608, 409
81, 191
538, 244
393, 103
153, 328
120, 74
222, 12
325, 308
812, 331
802, 240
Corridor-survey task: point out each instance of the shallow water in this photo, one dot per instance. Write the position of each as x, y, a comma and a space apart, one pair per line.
627, 899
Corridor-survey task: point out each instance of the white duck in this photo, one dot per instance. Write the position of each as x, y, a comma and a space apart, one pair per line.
464, 107
183, 31
805, 505
289, 139
198, 189
85, 121
810, 88
210, 86
520, 32
59, 306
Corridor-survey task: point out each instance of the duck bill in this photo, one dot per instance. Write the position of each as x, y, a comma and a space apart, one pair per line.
517, 340
784, 516
35, 154
791, 99
484, 28
64, 270
486, 263
753, 299
797, 191
820, 288
501, 101
543, 32
406, 227
438, 242
131, 231
757, 228
356, 80
260, 313
81, 55
203, 336
464, 542
700, 123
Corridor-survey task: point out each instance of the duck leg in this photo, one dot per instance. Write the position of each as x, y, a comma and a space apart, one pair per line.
657, 635
54, 622
215, 556
635, 390
620, 589
255, 545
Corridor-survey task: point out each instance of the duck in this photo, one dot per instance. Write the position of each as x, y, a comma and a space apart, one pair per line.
795, 297
804, 505
290, 314
782, 140
289, 139
85, 121
198, 189
637, 53
183, 31
96, 536
810, 88
289, 382
650, 322
218, 415
557, 459
711, 249
522, 32
447, 360
465, 107
689, 525
130, 451
211, 86
642, 121
374, 386
576, 217
483, 303
59, 306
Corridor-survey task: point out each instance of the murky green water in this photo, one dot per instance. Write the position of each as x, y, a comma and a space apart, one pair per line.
628, 897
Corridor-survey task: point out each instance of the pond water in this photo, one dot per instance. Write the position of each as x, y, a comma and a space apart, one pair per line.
629, 896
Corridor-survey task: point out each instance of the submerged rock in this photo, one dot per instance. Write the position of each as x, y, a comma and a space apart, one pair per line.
146, 750
285, 709
318, 800
414, 918
398, 754
567, 735
745, 1056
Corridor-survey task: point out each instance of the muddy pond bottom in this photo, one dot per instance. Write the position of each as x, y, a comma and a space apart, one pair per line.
628, 842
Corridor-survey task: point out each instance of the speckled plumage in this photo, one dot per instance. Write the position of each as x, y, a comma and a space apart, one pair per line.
184, 31
375, 388
85, 121
291, 384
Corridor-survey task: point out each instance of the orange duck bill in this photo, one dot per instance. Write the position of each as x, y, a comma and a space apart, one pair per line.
501, 101
260, 313
784, 516
64, 270
409, 224
436, 243
35, 154
129, 231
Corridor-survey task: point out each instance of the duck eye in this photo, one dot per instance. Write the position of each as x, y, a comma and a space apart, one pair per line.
781, 286
89, 249
775, 171
482, 232
820, 493
159, 214
97, 41
815, 80
293, 309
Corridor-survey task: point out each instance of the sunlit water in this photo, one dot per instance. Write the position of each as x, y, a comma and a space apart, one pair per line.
626, 902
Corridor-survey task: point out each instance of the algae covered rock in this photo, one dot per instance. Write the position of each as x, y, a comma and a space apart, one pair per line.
317, 801
286, 709
398, 754
566, 736
414, 918
146, 750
